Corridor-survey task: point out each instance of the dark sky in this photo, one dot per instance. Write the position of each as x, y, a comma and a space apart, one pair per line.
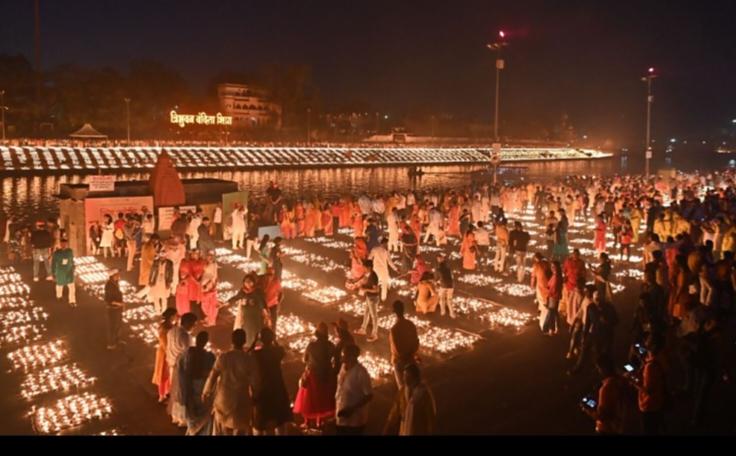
583, 58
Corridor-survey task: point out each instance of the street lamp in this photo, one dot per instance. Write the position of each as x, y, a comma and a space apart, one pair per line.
648, 79
127, 116
497, 47
309, 126
3, 108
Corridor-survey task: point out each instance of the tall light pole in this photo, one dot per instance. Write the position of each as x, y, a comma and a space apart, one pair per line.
2, 108
127, 117
309, 126
497, 47
37, 59
648, 79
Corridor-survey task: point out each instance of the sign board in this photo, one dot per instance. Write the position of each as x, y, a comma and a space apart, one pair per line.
649, 153
100, 183
182, 120
228, 203
273, 231
95, 209
166, 216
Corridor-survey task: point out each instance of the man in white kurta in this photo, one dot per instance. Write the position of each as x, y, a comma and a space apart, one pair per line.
381, 263
238, 227
392, 219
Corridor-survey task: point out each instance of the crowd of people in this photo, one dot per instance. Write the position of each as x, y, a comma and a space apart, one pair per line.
680, 342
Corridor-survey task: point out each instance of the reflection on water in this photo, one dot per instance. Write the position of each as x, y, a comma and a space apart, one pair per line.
27, 198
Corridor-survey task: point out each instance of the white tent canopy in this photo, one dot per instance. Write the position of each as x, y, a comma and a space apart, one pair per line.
87, 132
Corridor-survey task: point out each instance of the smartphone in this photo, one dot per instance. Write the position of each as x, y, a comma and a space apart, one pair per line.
589, 403
628, 368
640, 349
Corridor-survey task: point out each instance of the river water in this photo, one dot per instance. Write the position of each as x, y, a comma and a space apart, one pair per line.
29, 198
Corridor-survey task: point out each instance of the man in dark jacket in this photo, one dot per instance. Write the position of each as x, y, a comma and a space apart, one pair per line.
41, 241
443, 276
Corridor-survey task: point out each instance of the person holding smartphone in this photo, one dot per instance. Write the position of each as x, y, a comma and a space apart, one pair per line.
354, 392
608, 409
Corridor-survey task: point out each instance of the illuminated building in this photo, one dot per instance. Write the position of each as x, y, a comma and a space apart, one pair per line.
249, 106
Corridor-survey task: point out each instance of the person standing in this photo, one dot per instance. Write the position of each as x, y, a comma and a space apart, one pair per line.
62, 266
381, 259
370, 290
315, 399
502, 244
194, 369
264, 255
273, 296
608, 412
554, 294
252, 236
518, 243
115, 305
275, 255
237, 225
148, 254
160, 282
178, 341
204, 239
270, 398
216, 228
161, 375
209, 290
107, 238
230, 382
404, 343
652, 390
468, 251
131, 231
41, 242
443, 275
409, 245
414, 411
251, 309
483, 242
354, 393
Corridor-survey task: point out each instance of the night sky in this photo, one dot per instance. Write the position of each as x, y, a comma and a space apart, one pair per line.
584, 58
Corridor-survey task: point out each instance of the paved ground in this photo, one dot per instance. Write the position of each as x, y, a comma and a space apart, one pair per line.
508, 384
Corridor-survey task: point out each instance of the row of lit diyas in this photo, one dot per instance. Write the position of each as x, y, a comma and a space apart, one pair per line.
630, 274
388, 321
326, 295
141, 313
317, 261
291, 325
15, 303
70, 412
64, 378
22, 316
22, 334
147, 332
376, 365
478, 280
446, 341
10, 277
515, 289
506, 317
14, 289
469, 306
32, 357
354, 307
329, 243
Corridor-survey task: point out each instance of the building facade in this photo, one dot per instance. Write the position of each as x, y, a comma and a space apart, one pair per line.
249, 106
